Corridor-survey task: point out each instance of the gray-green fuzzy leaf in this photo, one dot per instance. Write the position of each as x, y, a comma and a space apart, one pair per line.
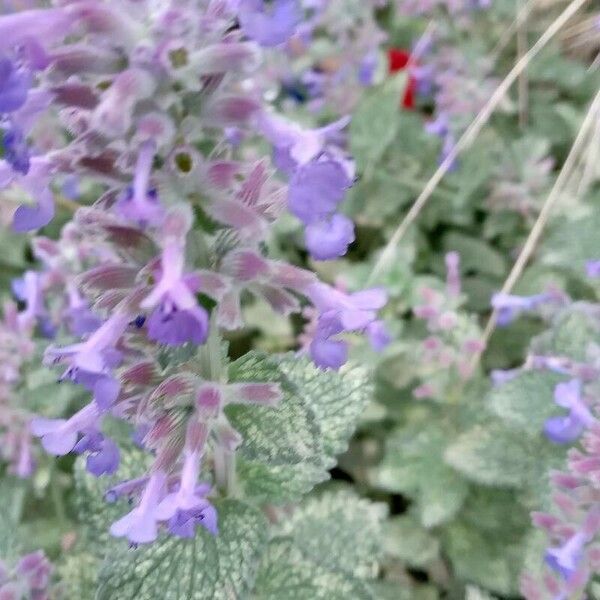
286, 574
526, 401
204, 568
339, 530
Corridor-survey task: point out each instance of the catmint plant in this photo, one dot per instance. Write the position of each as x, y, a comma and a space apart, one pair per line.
141, 285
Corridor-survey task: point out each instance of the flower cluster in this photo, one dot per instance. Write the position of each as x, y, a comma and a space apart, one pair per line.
453, 340
17, 350
574, 523
158, 117
28, 579
332, 57
573, 527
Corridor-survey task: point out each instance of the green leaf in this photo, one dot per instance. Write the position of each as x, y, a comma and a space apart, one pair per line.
289, 449
286, 574
204, 568
337, 399
475, 593
375, 122
278, 483
573, 240
572, 334
78, 574
12, 497
405, 590
409, 541
494, 562
475, 254
526, 401
340, 531
413, 465
281, 435
51, 399
493, 454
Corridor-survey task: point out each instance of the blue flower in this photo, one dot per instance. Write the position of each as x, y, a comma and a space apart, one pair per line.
14, 85
269, 25
565, 429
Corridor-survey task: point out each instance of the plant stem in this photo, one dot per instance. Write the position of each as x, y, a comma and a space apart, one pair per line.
539, 225
470, 134
57, 497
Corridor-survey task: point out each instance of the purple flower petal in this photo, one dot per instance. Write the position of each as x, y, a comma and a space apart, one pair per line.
14, 85
106, 391
269, 25
173, 327
28, 218
563, 430
329, 354
330, 238
316, 190
105, 461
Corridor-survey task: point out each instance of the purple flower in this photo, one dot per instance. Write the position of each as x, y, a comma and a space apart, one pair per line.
28, 218
36, 570
24, 465
565, 429
187, 506
29, 289
14, 85
329, 238
48, 24
329, 354
592, 268
565, 559
140, 525
59, 436
81, 319
177, 317
510, 307
104, 454
341, 313
316, 190
16, 150
140, 204
97, 354
355, 311
367, 68
295, 146
379, 336
269, 24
